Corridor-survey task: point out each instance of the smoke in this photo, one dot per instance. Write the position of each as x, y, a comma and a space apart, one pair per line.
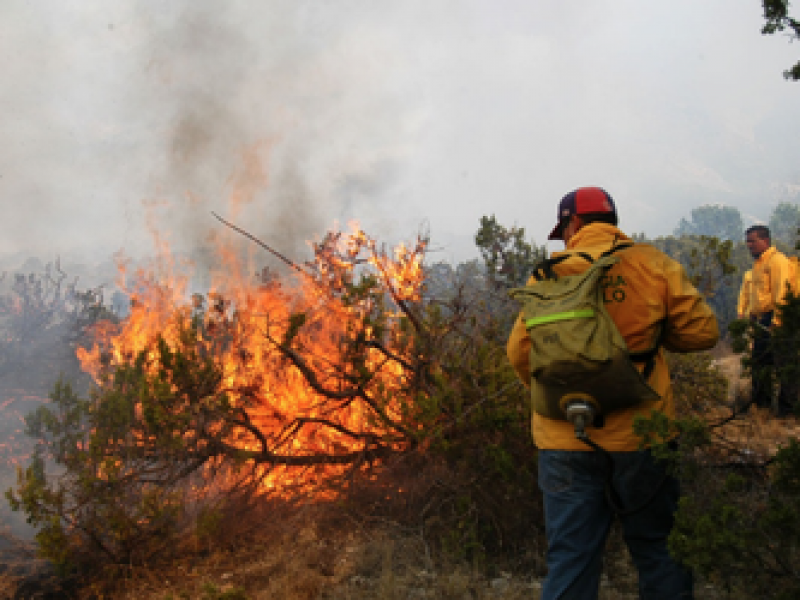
387, 112
135, 117
272, 116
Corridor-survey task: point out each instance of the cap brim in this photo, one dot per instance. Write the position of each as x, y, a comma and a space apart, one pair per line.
556, 233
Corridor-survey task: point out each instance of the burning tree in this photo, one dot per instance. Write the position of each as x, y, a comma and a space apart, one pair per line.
269, 388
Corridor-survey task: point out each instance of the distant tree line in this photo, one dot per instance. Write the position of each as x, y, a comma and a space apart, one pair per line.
710, 245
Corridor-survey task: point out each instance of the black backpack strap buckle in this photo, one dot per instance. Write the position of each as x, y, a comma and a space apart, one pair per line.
544, 270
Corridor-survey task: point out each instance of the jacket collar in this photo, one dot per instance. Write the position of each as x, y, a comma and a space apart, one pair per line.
597, 234
767, 254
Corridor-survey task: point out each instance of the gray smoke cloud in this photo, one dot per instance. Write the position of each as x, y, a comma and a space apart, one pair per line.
261, 125
286, 116
149, 118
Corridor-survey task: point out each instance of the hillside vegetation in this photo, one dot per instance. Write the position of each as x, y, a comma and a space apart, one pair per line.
358, 433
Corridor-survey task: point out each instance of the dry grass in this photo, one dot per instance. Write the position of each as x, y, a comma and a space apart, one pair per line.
385, 563
382, 565
315, 557
755, 430
318, 556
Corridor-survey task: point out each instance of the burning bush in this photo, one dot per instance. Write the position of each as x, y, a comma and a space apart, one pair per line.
273, 389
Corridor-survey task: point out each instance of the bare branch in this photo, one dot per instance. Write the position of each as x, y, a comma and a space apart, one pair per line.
269, 249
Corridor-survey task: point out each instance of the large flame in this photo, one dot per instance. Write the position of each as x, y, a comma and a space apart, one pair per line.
243, 320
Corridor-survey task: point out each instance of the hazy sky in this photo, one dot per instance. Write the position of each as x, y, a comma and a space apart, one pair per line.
121, 117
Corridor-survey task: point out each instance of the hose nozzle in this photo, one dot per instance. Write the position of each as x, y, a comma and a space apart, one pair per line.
581, 414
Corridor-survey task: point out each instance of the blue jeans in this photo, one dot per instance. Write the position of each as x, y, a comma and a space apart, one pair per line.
578, 518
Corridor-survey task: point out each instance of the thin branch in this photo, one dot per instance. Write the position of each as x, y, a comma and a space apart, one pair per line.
311, 377
274, 252
309, 460
340, 428
389, 354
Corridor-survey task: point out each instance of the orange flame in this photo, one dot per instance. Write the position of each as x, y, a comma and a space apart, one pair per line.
255, 315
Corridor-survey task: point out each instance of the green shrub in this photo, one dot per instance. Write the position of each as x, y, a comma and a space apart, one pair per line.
738, 523
146, 467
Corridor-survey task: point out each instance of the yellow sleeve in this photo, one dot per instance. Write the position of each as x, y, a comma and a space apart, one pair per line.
778, 280
518, 350
779, 277
743, 305
691, 324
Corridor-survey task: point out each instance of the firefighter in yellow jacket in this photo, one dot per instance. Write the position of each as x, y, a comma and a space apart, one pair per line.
768, 287
652, 302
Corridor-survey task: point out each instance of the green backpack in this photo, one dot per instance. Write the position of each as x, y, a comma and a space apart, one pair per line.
577, 352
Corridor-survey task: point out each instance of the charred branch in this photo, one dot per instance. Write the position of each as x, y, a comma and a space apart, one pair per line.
269, 249
310, 460
373, 343
357, 392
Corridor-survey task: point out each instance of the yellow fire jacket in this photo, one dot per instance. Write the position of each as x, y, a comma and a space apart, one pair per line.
743, 304
770, 274
646, 292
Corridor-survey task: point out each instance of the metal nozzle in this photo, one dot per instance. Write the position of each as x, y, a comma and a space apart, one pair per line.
581, 414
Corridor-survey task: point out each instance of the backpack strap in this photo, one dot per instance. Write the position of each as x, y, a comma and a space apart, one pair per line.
544, 270
615, 247
648, 357
645, 356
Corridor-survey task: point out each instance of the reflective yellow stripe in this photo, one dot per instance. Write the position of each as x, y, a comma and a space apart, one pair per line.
563, 316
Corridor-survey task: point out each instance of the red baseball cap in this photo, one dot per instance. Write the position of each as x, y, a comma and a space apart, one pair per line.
583, 201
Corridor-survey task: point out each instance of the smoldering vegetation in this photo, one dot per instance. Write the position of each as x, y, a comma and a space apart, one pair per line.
46, 309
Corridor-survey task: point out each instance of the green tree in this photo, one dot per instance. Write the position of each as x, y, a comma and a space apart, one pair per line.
776, 15
739, 522
509, 258
784, 222
723, 222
